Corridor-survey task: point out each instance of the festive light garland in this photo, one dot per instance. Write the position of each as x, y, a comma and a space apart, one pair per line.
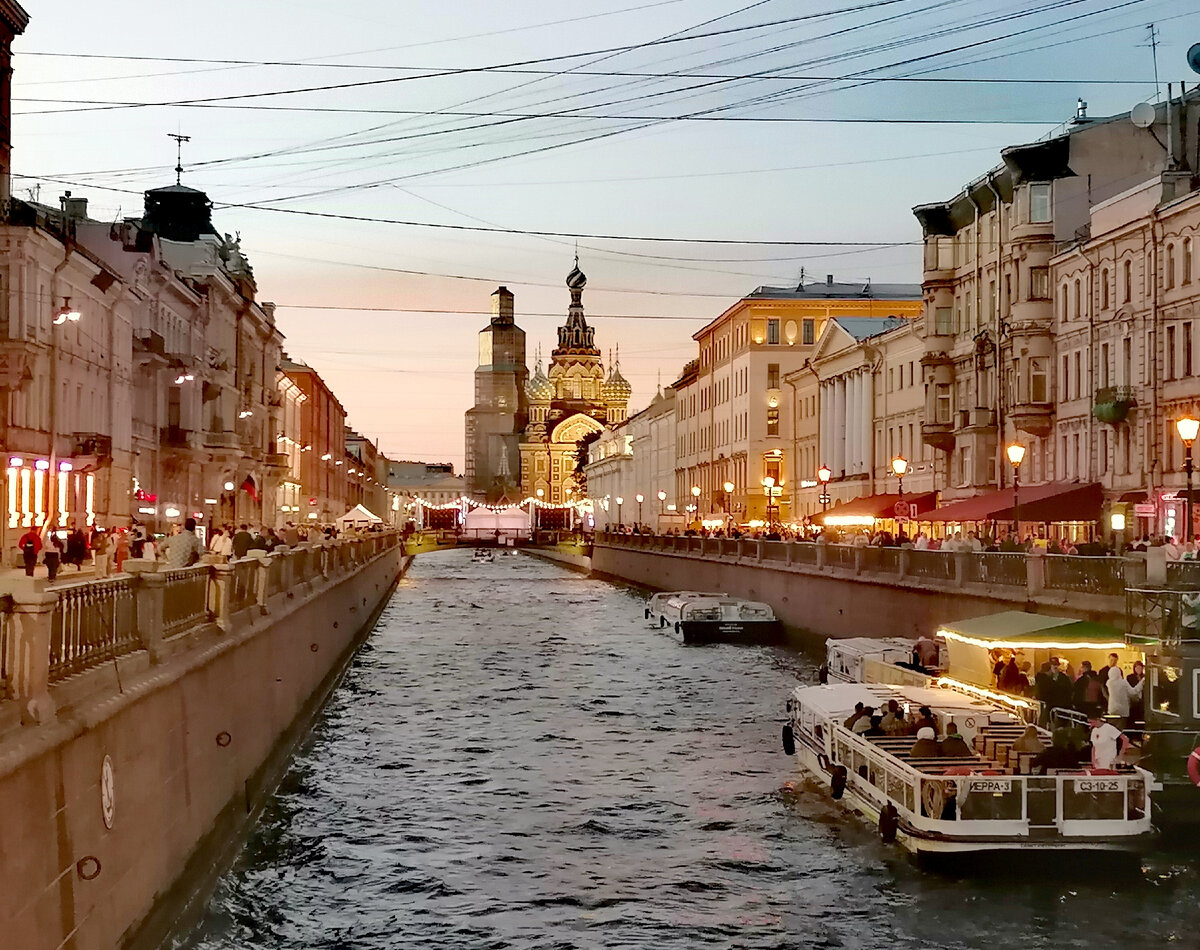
584, 504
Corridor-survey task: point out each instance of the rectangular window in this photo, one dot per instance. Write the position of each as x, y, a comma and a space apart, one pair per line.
1170, 266
942, 406
810, 332
1064, 383
1078, 373
773, 331
1039, 283
1186, 276
772, 376
1037, 380
1103, 450
1170, 352
1104, 379
943, 321
891, 378
1187, 348
772, 421
1075, 461
1039, 203
1126, 362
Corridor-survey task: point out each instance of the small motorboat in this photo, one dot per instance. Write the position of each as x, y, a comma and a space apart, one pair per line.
482, 556
716, 618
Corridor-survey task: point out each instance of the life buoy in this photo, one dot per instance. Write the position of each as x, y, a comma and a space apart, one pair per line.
933, 798
822, 761
837, 784
789, 740
1193, 766
889, 823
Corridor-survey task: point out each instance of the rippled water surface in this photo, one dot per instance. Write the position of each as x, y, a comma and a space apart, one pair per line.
515, 760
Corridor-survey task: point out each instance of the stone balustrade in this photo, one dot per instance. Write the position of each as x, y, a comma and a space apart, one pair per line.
53, 636
1025, 575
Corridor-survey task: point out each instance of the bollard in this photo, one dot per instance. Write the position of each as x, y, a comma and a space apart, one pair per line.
29, 651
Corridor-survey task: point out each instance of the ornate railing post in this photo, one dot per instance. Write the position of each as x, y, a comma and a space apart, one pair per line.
29, 651
905, 561
961, 567
222, 590
860, 556
149, 592
821, 545
262, 577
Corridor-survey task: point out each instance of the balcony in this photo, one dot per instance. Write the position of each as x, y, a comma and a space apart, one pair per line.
939, 435
1036, 418
176, 437
222, 440
277, 460
1112, 403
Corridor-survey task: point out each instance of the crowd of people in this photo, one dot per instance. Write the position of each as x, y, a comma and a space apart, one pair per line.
107, 549
1107, 693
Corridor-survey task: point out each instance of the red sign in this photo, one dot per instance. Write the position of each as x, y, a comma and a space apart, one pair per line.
1144, 511
313, 502
903, 510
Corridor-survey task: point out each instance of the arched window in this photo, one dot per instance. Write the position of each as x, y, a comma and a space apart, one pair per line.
1063, 303
1186, 276
1078, 299
1128, 280
1170, 274
1104, 289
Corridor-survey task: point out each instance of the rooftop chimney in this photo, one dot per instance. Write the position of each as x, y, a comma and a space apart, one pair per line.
73, 209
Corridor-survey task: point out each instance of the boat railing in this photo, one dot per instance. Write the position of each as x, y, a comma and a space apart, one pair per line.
977, 797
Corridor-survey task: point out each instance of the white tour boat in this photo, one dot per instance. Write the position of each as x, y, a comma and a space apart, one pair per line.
850, 660
979, 797
714, 618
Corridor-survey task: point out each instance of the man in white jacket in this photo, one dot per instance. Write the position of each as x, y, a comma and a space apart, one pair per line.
1120, 694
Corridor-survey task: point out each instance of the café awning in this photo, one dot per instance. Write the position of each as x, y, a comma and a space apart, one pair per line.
866, 510
1049, 503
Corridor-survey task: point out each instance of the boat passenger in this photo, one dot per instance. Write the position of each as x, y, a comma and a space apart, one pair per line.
1060, 755
1137, 708
1030, 741
1121, 696
854, 716
1011, 680
864, 721
1088, 690
925, 721
954, 744
926, 649
926, 746
1107, 742
874, 729
893, 721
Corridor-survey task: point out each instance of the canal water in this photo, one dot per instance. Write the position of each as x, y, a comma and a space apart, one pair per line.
516, 760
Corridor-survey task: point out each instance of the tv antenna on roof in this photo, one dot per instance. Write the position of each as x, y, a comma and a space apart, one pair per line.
179, 140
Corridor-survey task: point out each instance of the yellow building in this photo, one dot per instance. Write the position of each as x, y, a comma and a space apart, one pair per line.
734, 423
566, 404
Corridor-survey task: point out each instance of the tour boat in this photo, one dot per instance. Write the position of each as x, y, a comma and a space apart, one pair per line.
715, 618
656, 605
984, 800
850, 660
482, 556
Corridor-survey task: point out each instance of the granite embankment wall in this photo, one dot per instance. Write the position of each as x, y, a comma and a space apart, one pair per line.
842, 591
572, 556
147, 718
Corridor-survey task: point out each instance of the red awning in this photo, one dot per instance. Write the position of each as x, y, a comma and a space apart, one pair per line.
1048, 503
877, 506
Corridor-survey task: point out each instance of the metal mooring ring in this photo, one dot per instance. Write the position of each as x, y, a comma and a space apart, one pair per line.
223, 739
88, 868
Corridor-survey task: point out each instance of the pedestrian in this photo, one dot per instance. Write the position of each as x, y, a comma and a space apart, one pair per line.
121, 549
76, 547
30, 545
100, 554
184, 549
241, 542
53, 553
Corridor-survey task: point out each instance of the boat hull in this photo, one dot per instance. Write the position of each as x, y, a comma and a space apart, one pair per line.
730, 631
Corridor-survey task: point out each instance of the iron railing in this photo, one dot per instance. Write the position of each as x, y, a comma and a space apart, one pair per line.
1090, 575
92, 624
992, 567
935, 565
185, 599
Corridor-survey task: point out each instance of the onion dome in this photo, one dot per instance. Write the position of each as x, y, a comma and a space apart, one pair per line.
616, 387
539, 388
576, 280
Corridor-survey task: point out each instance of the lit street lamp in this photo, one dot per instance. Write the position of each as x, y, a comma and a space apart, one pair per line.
728, 486
769, 489
1016, 455
537, 520
899, 468
620, 502
662, 499
824, 473
639, 497
1187, 428
696, 495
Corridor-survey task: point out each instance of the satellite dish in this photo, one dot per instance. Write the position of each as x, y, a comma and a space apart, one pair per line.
1193, 56
1142, 115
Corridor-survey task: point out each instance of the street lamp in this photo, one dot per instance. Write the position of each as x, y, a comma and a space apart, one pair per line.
769, 488
824, 473
620, 502
1016, 455
1187, 428
662, 498
728, 486
696, 495
639, 497
537, 520
899, 467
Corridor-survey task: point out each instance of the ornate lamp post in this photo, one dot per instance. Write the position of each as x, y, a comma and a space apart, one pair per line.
620, 502
769, 489
1016, 455
728, 486
824, 473
899, 468
1188, 429
639, 498
696, 496
537, 520
662, 500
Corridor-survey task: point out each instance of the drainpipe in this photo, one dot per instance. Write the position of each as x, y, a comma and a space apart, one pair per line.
976, 303
996, 397
1092, 357
1153, 462
52, 472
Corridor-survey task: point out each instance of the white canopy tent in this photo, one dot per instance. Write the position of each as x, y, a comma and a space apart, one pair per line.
358, 517
511, 523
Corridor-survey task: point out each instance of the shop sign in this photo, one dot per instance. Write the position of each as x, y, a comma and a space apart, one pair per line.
1145, 510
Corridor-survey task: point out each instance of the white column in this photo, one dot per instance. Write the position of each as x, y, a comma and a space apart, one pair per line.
823, 442
868, 423
848, 424
837, 431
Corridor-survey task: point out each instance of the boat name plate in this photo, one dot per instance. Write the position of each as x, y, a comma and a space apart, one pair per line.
1097, 785
994, 785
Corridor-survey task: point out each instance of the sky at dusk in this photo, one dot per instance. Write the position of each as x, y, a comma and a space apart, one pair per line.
700, 121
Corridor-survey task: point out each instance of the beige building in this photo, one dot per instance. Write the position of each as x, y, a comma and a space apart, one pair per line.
734, 422
1127, 305
859, 404
993, 370
636, 457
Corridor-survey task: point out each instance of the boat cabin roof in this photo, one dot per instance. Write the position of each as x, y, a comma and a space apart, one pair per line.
1015, 628
867, 646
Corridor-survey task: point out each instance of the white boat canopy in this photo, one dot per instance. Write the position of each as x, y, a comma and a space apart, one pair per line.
358, 515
